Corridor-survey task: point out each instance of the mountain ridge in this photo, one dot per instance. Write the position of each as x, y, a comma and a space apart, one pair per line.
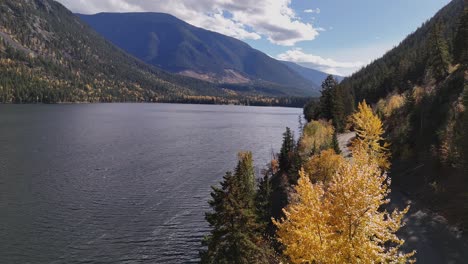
49, 55
165, 41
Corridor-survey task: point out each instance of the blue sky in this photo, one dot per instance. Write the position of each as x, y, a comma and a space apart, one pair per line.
358, 30
336, 36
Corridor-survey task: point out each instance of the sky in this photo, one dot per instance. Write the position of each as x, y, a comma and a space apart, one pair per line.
334, 36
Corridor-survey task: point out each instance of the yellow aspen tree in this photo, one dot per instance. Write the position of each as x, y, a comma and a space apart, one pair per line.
369, 131
304, 230
342, 222
323, 167
362, 232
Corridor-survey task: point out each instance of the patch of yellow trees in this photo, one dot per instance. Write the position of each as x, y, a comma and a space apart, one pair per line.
337, 215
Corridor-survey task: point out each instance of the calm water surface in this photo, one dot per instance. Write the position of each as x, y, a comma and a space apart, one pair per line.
127, 183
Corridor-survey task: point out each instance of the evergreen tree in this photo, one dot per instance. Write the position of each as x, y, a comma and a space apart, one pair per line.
338, 108
326, 99
336, 144
286, 156
287, 173
439, 57
332, 105
263, 198
461, 39
235, 234
311, 110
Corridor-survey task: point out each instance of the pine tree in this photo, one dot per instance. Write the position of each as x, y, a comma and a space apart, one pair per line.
235, 236
288, 158
461, 40
439, 57
326, 99
338, 108
311, 110
286, 175
286, 154
263, 199
336, 144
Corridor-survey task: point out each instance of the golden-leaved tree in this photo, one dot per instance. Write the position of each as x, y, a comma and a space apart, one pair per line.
340, 219
317, 136
323, 167
369, 131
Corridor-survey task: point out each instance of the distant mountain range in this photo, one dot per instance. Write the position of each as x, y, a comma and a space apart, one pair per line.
50, 55
167, 42
312, 75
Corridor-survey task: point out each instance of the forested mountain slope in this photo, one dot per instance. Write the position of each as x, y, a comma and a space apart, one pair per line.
409, 63
167, 42
420, 91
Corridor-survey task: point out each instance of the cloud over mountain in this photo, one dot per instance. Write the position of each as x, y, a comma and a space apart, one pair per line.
274, 20
327, 65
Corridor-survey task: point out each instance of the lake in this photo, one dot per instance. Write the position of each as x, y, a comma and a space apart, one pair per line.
127, 183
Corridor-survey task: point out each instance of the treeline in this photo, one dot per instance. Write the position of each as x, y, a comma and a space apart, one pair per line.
247, 100
28, 79
311, 205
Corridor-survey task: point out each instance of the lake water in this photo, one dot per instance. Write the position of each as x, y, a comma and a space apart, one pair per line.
127, 183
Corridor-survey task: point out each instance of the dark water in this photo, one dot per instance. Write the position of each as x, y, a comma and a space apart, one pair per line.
127, 183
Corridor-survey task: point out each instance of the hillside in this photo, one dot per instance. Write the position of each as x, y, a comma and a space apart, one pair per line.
48, 55
167, 42
420, 89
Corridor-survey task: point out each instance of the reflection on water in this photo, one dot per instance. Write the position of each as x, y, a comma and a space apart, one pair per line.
120, 182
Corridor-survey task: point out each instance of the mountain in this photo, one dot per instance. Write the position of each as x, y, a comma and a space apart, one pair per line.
407, 64
420, 90
48, 55
167, 42
312, 75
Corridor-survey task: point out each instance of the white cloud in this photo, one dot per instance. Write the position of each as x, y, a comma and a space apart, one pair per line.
317, 10
247, 19
323, 64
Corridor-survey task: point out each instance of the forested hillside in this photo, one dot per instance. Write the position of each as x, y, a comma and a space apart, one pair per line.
48, 55
419, 89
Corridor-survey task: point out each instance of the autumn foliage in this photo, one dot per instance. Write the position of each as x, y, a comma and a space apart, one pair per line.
339, 218
317, 136
369, 131
323, 167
